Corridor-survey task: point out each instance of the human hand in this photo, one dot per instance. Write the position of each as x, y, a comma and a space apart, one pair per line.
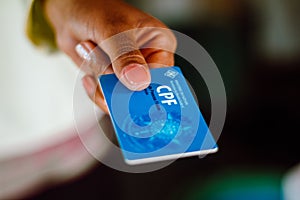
81, 25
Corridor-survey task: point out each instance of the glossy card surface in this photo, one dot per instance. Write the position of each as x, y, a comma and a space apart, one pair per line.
159, 123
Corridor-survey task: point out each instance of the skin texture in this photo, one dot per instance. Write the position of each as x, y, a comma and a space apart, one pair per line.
90, 23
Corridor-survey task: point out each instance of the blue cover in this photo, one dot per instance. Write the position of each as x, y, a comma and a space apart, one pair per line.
160, 121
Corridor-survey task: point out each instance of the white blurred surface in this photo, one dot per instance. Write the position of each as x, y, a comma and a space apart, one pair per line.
291, 184
39, 142
36, 89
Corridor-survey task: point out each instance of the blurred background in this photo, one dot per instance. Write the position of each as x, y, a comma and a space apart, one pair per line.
256, 46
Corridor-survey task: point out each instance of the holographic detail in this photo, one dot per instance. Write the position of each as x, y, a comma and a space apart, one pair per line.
171, 74
164, 132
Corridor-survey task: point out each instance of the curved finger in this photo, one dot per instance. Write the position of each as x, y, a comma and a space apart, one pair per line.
94, 60
94, 92
157, 58
128, 62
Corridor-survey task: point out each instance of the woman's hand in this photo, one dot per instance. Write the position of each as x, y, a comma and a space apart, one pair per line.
82, 25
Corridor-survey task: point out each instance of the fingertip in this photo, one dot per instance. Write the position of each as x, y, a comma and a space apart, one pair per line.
93, 91
100, 101
89, 85
83, 49
135, 76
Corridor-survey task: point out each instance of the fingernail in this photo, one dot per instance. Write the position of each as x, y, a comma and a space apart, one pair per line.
89, 85
136, 76
82, 52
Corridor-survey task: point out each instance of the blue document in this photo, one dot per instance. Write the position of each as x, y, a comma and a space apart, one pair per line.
159, 123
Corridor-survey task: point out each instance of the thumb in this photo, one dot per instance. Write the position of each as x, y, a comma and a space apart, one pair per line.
128, 62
